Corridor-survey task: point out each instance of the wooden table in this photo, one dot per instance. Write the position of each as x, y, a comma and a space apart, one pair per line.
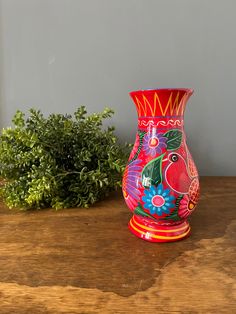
86, 260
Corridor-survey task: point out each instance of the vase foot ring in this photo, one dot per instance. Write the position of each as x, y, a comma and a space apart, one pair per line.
163, 233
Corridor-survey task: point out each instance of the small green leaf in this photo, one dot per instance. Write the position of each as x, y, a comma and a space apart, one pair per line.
18, 119
174, 139
152, 172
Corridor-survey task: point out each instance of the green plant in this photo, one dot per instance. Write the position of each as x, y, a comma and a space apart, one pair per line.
60, 161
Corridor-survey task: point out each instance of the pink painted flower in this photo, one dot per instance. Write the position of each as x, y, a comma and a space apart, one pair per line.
186, 206
154, 142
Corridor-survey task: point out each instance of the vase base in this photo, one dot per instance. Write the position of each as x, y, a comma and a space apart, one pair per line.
159, 233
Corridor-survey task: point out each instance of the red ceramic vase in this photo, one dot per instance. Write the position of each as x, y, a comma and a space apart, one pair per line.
160, 183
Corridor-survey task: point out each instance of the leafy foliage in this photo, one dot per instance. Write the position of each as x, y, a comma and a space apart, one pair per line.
60, 161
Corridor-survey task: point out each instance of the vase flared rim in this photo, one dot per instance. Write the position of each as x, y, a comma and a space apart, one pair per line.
152, 90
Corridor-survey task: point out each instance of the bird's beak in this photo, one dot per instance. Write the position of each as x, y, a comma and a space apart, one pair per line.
165, 159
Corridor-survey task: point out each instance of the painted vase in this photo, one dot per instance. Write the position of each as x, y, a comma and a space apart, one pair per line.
160, 182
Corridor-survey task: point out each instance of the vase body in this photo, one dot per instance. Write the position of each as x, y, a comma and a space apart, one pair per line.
160, 183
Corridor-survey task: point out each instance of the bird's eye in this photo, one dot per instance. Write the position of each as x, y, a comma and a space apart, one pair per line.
174, 157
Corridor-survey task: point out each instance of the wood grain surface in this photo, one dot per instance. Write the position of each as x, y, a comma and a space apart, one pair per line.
86, 260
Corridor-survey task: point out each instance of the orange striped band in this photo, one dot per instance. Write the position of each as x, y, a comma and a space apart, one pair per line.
159, 236
157, 230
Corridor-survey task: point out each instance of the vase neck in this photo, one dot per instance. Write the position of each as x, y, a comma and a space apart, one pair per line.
161, 103
161, 122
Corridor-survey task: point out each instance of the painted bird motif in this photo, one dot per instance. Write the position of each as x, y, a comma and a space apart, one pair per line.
182, 176
177, 175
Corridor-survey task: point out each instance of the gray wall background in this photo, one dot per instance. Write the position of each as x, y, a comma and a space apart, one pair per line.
58, 54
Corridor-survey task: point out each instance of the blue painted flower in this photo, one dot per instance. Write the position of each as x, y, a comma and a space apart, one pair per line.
154, 142
158, 200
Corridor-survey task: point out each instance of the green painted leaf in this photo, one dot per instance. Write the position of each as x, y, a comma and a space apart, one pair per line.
179, 198
152, 174
174, 216
141, 136
174, 139
140, 212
